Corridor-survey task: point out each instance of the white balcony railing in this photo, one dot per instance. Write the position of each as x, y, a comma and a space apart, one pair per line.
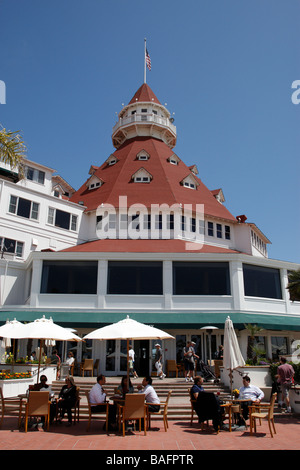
142, 118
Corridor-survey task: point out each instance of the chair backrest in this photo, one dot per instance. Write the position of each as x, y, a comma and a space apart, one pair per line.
134, 406
167, 401
88, 364
1, 397
87, 393
38, 403
272, 403
171, 365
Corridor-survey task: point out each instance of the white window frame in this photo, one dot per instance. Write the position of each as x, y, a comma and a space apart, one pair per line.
13, 208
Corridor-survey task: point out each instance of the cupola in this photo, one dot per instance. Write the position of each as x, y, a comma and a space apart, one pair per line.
144, 116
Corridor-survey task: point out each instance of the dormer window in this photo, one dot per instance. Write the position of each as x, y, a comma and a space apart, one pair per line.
174, 160
94, 182
33, 174
142, 176
190, 182
143, 155
112, 160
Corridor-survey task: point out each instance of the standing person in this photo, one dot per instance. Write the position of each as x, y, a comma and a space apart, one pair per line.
285, 374
97, 398
159, 362
55, 359
131, 354
189, 361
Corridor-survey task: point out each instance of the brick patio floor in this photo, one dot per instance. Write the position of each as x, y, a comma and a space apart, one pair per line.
180, 437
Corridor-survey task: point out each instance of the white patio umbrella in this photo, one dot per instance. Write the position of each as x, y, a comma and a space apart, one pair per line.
11, 330
128, 329
45, 329
232, 357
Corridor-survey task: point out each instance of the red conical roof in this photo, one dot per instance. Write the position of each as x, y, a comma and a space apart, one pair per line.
144, 94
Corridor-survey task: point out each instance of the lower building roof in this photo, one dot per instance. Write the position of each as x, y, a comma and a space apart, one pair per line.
146, 246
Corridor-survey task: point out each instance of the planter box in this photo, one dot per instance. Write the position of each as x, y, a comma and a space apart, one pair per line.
295, 398
15, 387
45, 369
260, 377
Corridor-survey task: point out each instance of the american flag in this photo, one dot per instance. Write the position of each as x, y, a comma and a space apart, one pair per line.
148, 60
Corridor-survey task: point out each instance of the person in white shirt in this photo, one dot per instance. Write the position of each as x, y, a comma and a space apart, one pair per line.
97, 398
131, 355
150, 394
251, 393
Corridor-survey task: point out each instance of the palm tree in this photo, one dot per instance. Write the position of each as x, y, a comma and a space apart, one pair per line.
294, 285
12, 149
253, 330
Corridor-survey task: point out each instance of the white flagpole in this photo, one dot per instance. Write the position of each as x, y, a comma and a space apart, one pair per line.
145, 62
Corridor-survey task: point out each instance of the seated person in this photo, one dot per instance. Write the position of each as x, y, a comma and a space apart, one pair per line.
251, 393
197, 387
42, 386
97, 397
71, 359
123, 389
150, 394
67, 399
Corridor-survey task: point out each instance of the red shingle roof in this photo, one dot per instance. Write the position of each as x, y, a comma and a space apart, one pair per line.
144, 246
144, 94
165, 186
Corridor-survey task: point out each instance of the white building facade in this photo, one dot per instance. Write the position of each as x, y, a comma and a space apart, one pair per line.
143, 237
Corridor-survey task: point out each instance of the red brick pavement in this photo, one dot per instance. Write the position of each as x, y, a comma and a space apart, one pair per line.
180, 437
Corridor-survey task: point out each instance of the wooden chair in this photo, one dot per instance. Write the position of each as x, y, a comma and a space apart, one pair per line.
88, 366
172, 367
105, 407
133, 409
9, 407
38, 404
162, 411
263, 411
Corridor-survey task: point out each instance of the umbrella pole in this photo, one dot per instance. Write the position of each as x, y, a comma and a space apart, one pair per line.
40, 356
127, 364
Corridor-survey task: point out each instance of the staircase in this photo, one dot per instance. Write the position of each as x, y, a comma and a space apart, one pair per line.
179, 408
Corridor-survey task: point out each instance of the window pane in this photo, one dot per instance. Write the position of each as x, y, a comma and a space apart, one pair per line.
262, 282
139, 278
34, 211
41, 177
201, 278
13, 204
69, 277
9, 245
51, 216
62, 219
279, 347
24, 207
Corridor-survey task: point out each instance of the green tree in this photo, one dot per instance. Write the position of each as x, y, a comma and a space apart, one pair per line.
294, 285
12, 149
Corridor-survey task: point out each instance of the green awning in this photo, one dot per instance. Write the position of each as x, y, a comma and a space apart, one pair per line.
163, 320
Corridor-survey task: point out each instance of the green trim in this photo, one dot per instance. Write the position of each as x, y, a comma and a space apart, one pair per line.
167, 320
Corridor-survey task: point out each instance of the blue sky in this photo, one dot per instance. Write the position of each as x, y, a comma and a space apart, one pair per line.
225, 68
